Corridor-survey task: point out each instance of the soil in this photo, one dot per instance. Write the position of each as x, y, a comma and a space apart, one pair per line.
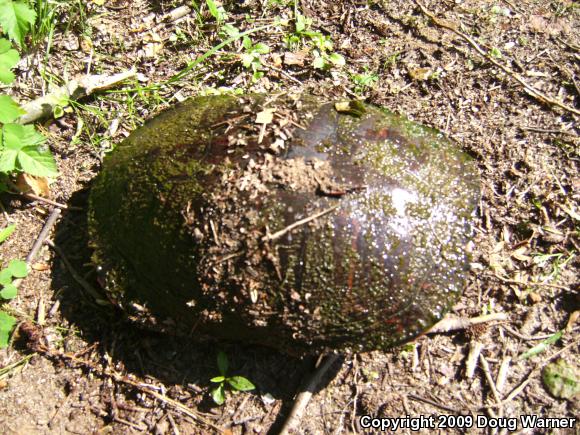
76, 365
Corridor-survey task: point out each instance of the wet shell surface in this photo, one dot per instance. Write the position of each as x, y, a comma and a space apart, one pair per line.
287, 221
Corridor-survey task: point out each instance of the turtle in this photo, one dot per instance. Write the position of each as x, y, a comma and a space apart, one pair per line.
284, 220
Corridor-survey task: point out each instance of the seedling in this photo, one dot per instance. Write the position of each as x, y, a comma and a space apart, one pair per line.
251, 58
324, 57
237, 383
364, 81
218, 12
15, 269
543, 345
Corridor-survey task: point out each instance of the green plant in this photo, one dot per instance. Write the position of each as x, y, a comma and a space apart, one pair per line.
322, 47
237, 383
15, 269
21, 146
16, 19
218, 12
251, 58
364, 81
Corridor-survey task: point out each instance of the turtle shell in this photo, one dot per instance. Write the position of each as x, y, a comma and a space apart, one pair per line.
286, 221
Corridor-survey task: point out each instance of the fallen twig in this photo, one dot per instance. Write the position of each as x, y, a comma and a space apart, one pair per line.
303, 398
531, 284
435, 404
79, 279
73, 90
34, 197
457, 323
531, 90
282, 232
39, 241
54, 215
475, 348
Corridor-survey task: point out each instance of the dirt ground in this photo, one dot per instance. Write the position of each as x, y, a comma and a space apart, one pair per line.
79, 367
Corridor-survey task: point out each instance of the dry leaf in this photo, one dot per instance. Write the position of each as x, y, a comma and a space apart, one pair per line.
276, 60
297, 58
342, 106
535, 297
40, 267
420, 74
27, 183
265, 116
572, 320
541, 24
519, 254
153, 45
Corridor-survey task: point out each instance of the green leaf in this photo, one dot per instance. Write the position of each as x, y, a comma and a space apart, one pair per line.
8, 59
7, 322
247, 59
230, 30
247, 42
5, 277
561, 379
9, 109
6, 232
261, 48
16, 19
18, 268
57, 112
495, 52
213, 9
21, 151
337, 59
9, 291
543, 345
218, 379
17, 136
7, 160
218, 395
300, 23
318, 62
240, 383
37, 162
222, 362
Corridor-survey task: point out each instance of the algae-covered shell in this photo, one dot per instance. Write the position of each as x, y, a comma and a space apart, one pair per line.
285, 221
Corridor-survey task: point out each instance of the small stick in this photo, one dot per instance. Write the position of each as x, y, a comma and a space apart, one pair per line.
502, 373
457, 323
54, 215
282, 232
39, 241
515, 392
435, 404
73, 90
79, 279
531, 90
535, 284
490, 381
472, 357
546, 130
284, 73
304, 397
34, 197
144, 388
525, 337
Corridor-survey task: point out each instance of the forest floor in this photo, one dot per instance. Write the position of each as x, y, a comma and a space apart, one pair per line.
75, 366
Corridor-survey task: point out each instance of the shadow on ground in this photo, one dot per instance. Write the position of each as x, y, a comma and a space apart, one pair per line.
181, 364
